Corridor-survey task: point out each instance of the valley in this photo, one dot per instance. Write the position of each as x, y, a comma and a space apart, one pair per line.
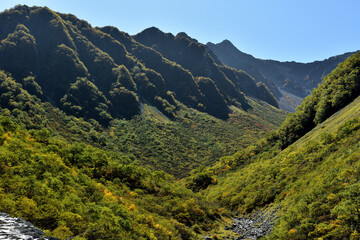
107, 135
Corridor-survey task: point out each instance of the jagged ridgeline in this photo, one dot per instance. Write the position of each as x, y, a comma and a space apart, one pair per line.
201, 61
104, 73
290, 82
307, 171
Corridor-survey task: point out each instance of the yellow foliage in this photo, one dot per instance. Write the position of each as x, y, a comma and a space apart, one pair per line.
110, 196
132, 207
112, 133
62, 232
331, 197
7, 136
133, 194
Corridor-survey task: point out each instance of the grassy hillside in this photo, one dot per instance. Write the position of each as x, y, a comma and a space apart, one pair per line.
312, 181
53, 175
177, 146
103, 148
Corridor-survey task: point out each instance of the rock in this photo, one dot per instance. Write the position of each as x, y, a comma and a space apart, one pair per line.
206, 238
19, 229
255, 226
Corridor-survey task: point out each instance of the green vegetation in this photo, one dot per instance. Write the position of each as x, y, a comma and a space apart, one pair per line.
100, 86
177, 146
67, 189
196, 58
54, 174
314, 182
110, 138
338, 89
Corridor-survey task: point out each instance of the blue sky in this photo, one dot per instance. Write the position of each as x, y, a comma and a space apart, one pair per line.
286, 30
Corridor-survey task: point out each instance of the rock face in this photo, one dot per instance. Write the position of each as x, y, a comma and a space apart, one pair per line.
282, 78
19, 229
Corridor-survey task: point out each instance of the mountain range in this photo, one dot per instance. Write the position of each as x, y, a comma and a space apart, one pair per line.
111, 67
290, 82
104, 135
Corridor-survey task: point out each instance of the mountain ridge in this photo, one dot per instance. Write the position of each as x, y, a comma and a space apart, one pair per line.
281, 77
73, 55
104, 135
195, 57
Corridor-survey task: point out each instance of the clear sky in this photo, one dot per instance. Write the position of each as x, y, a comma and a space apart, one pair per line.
286, 30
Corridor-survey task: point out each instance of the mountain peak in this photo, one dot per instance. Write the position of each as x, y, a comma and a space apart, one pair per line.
227, 42
151, 31
184, 35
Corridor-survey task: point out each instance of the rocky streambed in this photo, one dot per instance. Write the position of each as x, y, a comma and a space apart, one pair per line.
250, 227
254, 226
19, 229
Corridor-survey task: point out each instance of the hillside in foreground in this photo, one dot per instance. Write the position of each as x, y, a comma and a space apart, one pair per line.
307, 171
69, 176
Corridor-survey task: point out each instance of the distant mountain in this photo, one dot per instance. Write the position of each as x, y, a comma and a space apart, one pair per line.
289, 81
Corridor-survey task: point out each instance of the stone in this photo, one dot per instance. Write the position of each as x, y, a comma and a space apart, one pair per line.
254, 226
19, 229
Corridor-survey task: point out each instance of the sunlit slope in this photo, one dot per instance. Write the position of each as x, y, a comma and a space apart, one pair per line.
314, 182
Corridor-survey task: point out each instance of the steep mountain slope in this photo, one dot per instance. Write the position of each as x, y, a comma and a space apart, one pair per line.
307, 171
64, 55
79, 67
195, 57
85, 125
176, 146
282, 78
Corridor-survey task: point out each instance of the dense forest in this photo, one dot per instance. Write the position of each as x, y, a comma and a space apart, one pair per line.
104, 135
